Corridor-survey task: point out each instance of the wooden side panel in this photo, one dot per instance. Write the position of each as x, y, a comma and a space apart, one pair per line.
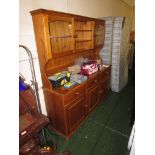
60, 122
40, 22
48, 101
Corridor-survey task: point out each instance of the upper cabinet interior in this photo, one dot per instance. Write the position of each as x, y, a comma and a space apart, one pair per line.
83, 35
62, 37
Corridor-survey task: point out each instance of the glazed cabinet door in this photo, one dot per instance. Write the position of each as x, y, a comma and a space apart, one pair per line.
76, 113
99, 33
92, 98
61, 35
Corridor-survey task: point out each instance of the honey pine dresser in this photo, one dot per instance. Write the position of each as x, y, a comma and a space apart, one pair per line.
61, 38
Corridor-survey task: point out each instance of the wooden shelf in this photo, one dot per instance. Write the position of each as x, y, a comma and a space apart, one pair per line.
83, 40
67, 36
83, 49
83, 30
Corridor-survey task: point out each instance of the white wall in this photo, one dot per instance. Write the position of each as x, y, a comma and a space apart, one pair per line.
91, 8
99, 8
133, 20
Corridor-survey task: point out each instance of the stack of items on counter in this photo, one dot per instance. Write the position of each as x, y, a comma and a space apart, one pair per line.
60, 79
78, 78
76, 74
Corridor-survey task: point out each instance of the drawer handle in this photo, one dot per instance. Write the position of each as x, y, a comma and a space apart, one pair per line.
77, 94
95, 81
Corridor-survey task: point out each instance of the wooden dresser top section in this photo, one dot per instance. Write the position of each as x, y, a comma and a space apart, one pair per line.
77, 17
59, 48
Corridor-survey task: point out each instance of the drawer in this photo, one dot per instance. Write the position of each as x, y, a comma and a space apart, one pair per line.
92, 82
74, 94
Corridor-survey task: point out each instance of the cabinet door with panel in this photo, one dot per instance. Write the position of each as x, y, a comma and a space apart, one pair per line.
92, 98
76, 113
61, 35
104, 83
102, 91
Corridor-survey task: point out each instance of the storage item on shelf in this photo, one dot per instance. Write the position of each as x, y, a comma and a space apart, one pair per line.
103, 66
74, 68
59, 79
78, 78
89, 68
99, 63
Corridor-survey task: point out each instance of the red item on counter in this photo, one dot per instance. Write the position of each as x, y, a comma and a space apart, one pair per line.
89, 68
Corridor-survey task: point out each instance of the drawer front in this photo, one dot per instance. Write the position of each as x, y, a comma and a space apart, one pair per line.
92, 82
74, 94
